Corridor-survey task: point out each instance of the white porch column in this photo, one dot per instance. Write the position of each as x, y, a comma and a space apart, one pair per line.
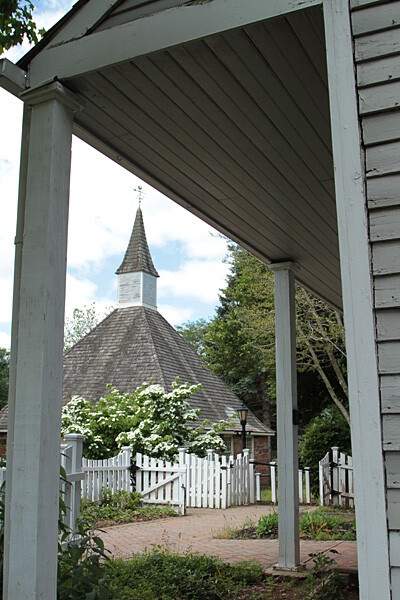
33, 454
286, 401
369, 475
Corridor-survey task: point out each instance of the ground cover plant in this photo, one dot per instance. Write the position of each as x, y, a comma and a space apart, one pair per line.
161, 574
319, 525
122, 507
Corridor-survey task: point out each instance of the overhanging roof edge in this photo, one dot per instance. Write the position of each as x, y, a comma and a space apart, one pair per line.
149, 34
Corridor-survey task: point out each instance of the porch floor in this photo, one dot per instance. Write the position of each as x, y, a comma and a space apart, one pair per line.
195, 532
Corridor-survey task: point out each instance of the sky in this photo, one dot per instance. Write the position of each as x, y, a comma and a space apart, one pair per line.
187, 253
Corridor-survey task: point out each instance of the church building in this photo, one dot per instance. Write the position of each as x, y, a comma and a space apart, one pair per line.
134, 344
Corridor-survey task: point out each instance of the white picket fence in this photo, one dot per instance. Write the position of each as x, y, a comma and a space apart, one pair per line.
336, 484
211, 482
304, 484
112, 473
71, 461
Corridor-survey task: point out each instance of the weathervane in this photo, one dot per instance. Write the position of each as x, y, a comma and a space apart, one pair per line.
140, 193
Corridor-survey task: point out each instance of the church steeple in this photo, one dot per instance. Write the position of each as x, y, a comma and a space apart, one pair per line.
137, 276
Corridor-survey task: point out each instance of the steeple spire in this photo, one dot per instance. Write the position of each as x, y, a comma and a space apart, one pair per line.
137, 256
137, 276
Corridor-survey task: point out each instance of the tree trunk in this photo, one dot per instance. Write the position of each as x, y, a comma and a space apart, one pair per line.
324, 377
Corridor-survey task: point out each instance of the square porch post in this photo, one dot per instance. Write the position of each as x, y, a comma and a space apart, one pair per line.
33, 446
286, 401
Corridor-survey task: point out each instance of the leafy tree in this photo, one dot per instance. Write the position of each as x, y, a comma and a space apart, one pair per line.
194, 332
153, 421
16, 22
239, 343
327, 430
82, 322
4, 376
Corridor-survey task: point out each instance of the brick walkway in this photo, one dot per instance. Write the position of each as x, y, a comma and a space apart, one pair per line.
195, 532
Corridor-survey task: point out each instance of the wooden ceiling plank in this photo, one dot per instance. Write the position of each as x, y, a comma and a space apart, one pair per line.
293, 148
286, 206
261, 84
186, 128
313, 46
250, 132
141, 124
287, 58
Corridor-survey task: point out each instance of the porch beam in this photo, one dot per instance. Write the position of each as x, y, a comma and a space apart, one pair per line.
12, 78
162, 30
368, 461
286, 402
33, 454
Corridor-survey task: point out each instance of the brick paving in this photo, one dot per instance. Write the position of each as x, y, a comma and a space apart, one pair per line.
195, 532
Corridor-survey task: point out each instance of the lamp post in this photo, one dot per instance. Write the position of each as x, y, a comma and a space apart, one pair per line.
242, 413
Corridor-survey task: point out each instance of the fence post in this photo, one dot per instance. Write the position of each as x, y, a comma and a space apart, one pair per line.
182, 480
307, 477
252, 482
126, 461
246, 476
258, 487
76, 441
273, 481
301, 485
335, 475
224, 482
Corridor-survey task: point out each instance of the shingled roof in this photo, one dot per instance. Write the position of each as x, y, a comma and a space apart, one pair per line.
132, 346
135, 345
137, 256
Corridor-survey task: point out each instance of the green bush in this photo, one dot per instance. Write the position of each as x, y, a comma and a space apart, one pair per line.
82, 573
319, 526
161, 574
268, 525
327, 430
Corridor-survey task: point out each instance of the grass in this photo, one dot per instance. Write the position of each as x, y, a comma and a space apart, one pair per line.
164, 575
122, 507
316, 525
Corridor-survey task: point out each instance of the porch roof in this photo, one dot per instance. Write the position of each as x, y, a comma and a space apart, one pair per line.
228, 117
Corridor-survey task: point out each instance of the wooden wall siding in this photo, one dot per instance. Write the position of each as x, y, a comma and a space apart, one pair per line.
376, 29
227, 122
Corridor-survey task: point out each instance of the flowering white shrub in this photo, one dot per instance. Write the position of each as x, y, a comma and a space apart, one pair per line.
151, 420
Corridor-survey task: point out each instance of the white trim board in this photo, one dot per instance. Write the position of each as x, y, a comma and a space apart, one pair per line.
369, 476
164, 29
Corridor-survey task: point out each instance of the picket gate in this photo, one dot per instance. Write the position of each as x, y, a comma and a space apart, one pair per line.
161, 482
211, 482
336, 484
111, 473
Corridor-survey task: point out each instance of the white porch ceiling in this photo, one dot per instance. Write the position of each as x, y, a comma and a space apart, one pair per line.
235, 127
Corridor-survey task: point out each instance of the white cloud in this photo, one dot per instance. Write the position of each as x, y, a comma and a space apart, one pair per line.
5, 340
175, 316
82, 292
201, 279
